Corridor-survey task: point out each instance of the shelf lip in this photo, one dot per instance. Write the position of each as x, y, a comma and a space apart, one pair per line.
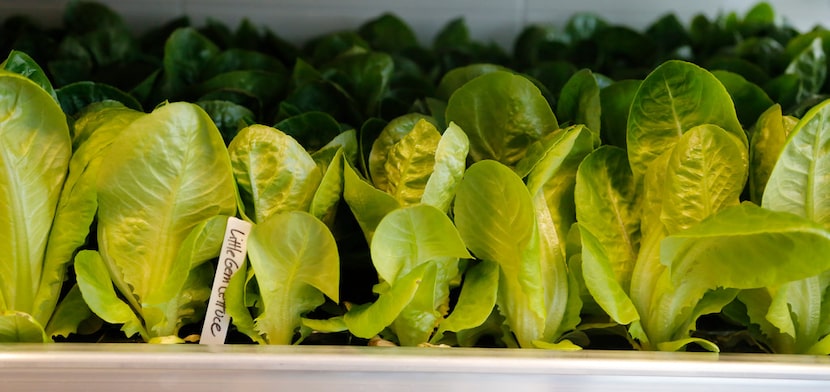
406, 360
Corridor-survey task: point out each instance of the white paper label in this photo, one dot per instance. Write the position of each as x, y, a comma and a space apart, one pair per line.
232, 255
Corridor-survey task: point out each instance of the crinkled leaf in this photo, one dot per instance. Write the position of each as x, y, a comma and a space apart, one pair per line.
801, 301
410, 163
555, 175
551, 183
295, 260
100, 115
773, 325
274, 173
609, 207
69, 314
706, 173
674, 98
188, 306
391, 134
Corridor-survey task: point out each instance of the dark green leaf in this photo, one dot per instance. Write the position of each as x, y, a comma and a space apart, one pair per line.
750, 100
312, 129
579, 102
455, 34
241, 60
615, 101
19, 62
78, 95
388, 33
228, 116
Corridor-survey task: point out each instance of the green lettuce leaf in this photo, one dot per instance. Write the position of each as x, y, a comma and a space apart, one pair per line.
799, 180
450, 163
502, 114
405, 239
368, 204
295, 260
167, 173
382, 145
579, 103
747, 247
411, 162
767, 139
274, 173
34, 155
673, 99
100, 125
97, 290
476, 300
495, 216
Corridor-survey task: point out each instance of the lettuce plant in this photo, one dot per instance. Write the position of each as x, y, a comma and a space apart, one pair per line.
34, 157
414, 245
673, 242
514, 238
162, 195
793, 317
293, 257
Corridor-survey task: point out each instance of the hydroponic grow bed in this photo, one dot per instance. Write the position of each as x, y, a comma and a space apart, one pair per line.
377, 82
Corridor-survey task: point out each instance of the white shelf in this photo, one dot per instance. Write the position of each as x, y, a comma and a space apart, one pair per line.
183, 368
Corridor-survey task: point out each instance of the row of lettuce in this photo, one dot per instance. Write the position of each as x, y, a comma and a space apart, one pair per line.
491, 209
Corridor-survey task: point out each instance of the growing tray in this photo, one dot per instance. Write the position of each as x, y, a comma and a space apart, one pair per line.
139, 367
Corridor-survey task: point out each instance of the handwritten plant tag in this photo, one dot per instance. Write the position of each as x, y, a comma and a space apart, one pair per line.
234, 248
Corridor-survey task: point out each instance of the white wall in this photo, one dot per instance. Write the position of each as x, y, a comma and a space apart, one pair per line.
498, 20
